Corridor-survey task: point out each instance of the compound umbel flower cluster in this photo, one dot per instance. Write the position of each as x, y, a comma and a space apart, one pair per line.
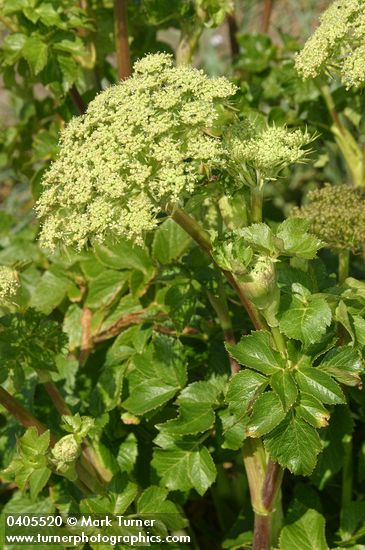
338, 44
9, 283
141, 144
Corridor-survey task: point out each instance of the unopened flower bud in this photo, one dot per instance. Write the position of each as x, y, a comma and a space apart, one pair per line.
260, 287
66, 450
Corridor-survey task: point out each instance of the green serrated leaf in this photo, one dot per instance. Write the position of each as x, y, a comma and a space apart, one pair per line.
188, 466
233, 429
104, 288
267, 413
107, 393
297, 242
181, 301
359, 328
294, 444
149, 396
170, 242
154, 501
127, 454
312, 411
72, 326
243, 389
305, 320
319, 384
344, 364
69, 70
48, 15
29, 465
306, 533
50, 291
128, 342
35, 51
195, 410
283, 384
342, 316
123, 255
158, 375
38, 480
31, 443
260, 237
121, 494
12, 47
256, 352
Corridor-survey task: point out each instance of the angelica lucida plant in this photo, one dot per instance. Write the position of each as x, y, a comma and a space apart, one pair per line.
159, 149
336, 49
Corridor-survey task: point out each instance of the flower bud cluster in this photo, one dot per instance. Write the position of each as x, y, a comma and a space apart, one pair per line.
263, 151
337, 44
141, 144
337, 216
9, 283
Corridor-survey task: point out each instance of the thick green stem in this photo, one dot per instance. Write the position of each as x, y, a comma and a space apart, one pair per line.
264, 480
77, 100
189, 41
254, 458
330, 104
346, 142
232, 32
262, 532
24, 417
201, 237
347, 476
257, 194
192, 228
121, 39
343, 265
57, 399
266, 16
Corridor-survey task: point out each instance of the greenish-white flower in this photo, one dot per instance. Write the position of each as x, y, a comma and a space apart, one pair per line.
141, 144
338, 44
9, 283
259, 152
